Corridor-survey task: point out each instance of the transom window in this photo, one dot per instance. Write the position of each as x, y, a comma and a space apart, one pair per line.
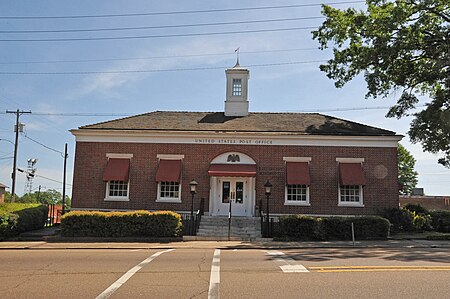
118, 189
237, 87
350, 193
296, 193
169, 190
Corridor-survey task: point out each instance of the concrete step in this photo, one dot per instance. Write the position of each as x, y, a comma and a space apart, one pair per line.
216, 228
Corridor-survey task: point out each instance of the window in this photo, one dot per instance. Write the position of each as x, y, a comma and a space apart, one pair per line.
297, 181
168, 177
351, 182
350, 193
297, 193
237, 87
116, 176
169, 190
117, 189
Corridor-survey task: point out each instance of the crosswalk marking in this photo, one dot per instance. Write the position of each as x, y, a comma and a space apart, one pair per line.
286, 264
124, 278
214, 279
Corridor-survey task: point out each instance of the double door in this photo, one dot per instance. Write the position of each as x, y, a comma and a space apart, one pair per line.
233, 193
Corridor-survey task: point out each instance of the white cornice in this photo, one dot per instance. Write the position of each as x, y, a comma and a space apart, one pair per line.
233, 138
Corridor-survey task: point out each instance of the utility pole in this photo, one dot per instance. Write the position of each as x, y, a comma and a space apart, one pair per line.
64, 182
18, 113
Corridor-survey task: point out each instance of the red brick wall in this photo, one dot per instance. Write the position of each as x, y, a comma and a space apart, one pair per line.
90, 162
428, 202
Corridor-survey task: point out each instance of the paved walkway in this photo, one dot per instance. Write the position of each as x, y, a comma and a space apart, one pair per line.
35, 242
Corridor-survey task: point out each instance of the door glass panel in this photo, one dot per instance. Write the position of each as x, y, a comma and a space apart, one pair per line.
225, 192
239, 192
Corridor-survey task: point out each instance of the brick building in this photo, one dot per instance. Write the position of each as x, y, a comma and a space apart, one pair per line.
2, 193
317, 164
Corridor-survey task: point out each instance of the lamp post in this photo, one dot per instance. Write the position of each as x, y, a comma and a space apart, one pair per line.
268, 191
193, 186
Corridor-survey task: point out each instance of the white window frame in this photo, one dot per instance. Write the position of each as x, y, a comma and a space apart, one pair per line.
359, 203
117, 198
296, 202
236, 92
169, 199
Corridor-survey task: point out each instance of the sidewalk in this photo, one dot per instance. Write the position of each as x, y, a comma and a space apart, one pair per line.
46, 239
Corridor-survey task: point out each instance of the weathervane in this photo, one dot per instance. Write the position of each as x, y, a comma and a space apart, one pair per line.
237, 57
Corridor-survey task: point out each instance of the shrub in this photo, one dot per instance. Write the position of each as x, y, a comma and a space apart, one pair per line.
299, 227
440, 220
333, 228
401, 219
121, 224
418, 209
365, 228
422, 222
16, 218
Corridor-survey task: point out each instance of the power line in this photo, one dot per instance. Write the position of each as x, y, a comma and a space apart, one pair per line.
47, 147
158, 57
155, 36
80, 114
161, 26
177, 12
50, 179
157, 70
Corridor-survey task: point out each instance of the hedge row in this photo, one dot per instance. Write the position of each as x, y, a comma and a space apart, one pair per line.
121, 224
16, 218
440, 220
307, 228
415, 218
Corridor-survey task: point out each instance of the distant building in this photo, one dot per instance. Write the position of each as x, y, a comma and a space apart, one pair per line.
2, 192
317, 164
428, 202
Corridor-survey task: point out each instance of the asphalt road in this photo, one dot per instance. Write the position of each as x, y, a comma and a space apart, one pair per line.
234, 273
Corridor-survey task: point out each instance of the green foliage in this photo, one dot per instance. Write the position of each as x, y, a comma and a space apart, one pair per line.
49, 196
421, 217
407, 177
416, 208
440, 220
297, 227
16, 218
121, 224
401, 219
398, 46
406, 220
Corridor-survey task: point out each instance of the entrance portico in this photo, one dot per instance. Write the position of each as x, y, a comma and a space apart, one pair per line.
232, 181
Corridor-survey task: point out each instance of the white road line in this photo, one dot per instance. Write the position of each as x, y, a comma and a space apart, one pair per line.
214, 279
109, 291
287, 264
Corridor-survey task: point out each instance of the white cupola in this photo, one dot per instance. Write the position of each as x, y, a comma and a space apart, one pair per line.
236, 103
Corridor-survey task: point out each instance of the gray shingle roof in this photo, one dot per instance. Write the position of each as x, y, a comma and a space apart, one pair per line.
299, 123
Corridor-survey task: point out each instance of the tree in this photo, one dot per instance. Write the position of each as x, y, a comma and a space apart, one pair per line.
407, 176
49, 196
401, 45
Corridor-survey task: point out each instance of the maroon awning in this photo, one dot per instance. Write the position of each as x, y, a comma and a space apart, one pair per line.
234, 170
169, 171
117, 170
351, 174
297, 173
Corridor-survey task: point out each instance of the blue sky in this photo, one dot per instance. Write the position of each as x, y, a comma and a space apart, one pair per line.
55, 79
